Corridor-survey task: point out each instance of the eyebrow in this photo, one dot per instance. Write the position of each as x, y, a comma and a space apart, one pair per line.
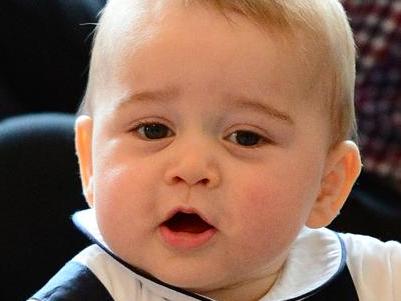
161, 95
242, 102
257, 105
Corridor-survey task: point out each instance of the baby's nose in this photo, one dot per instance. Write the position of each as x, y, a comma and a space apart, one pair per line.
194, 166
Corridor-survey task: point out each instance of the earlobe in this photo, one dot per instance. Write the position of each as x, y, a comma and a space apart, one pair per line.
83, 146
343, 167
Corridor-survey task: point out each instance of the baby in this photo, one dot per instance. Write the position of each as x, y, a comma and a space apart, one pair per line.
214, 144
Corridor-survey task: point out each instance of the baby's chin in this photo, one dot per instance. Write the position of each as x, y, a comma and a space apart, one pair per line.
202, 282
198, 281
209, 284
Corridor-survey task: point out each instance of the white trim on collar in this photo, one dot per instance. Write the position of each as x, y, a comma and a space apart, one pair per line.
315, 258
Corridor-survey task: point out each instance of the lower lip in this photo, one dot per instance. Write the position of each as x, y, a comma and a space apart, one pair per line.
185, 240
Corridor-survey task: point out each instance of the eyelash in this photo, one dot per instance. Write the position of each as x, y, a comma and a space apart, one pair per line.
139, 129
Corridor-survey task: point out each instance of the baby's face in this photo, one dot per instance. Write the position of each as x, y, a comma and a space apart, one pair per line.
209, 150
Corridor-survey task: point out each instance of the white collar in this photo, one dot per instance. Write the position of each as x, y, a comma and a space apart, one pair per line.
315, 258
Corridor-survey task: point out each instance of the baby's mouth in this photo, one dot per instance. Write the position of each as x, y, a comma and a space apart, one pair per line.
187, 222
186, 230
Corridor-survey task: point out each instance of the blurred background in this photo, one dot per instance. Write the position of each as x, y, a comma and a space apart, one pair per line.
44, 55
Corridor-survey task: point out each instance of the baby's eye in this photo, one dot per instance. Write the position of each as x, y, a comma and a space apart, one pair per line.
246, 138
152, 131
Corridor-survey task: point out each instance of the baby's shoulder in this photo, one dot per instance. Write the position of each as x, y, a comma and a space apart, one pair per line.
375, 266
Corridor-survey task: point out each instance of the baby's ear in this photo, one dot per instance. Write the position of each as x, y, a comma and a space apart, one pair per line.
83, 146
343, 167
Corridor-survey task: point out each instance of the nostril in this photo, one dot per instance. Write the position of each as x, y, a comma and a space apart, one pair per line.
177, 179
192, 175
204, 181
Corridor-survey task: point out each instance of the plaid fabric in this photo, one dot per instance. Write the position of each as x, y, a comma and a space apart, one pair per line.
377, 28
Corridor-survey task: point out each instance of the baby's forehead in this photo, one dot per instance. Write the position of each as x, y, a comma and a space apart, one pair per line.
133, 20
173, 40
319, 20
127, 24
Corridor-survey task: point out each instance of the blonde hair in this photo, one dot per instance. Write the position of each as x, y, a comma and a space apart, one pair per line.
324, 27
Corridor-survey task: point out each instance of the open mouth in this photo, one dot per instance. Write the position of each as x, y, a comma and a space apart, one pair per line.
188, 223
186, 230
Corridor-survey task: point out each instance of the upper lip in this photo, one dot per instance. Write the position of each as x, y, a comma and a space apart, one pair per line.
186, 210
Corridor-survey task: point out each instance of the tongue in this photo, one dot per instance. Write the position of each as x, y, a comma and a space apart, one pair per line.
190, 223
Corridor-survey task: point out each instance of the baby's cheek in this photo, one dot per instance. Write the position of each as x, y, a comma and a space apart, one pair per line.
266, 199
266, 230
270, 213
